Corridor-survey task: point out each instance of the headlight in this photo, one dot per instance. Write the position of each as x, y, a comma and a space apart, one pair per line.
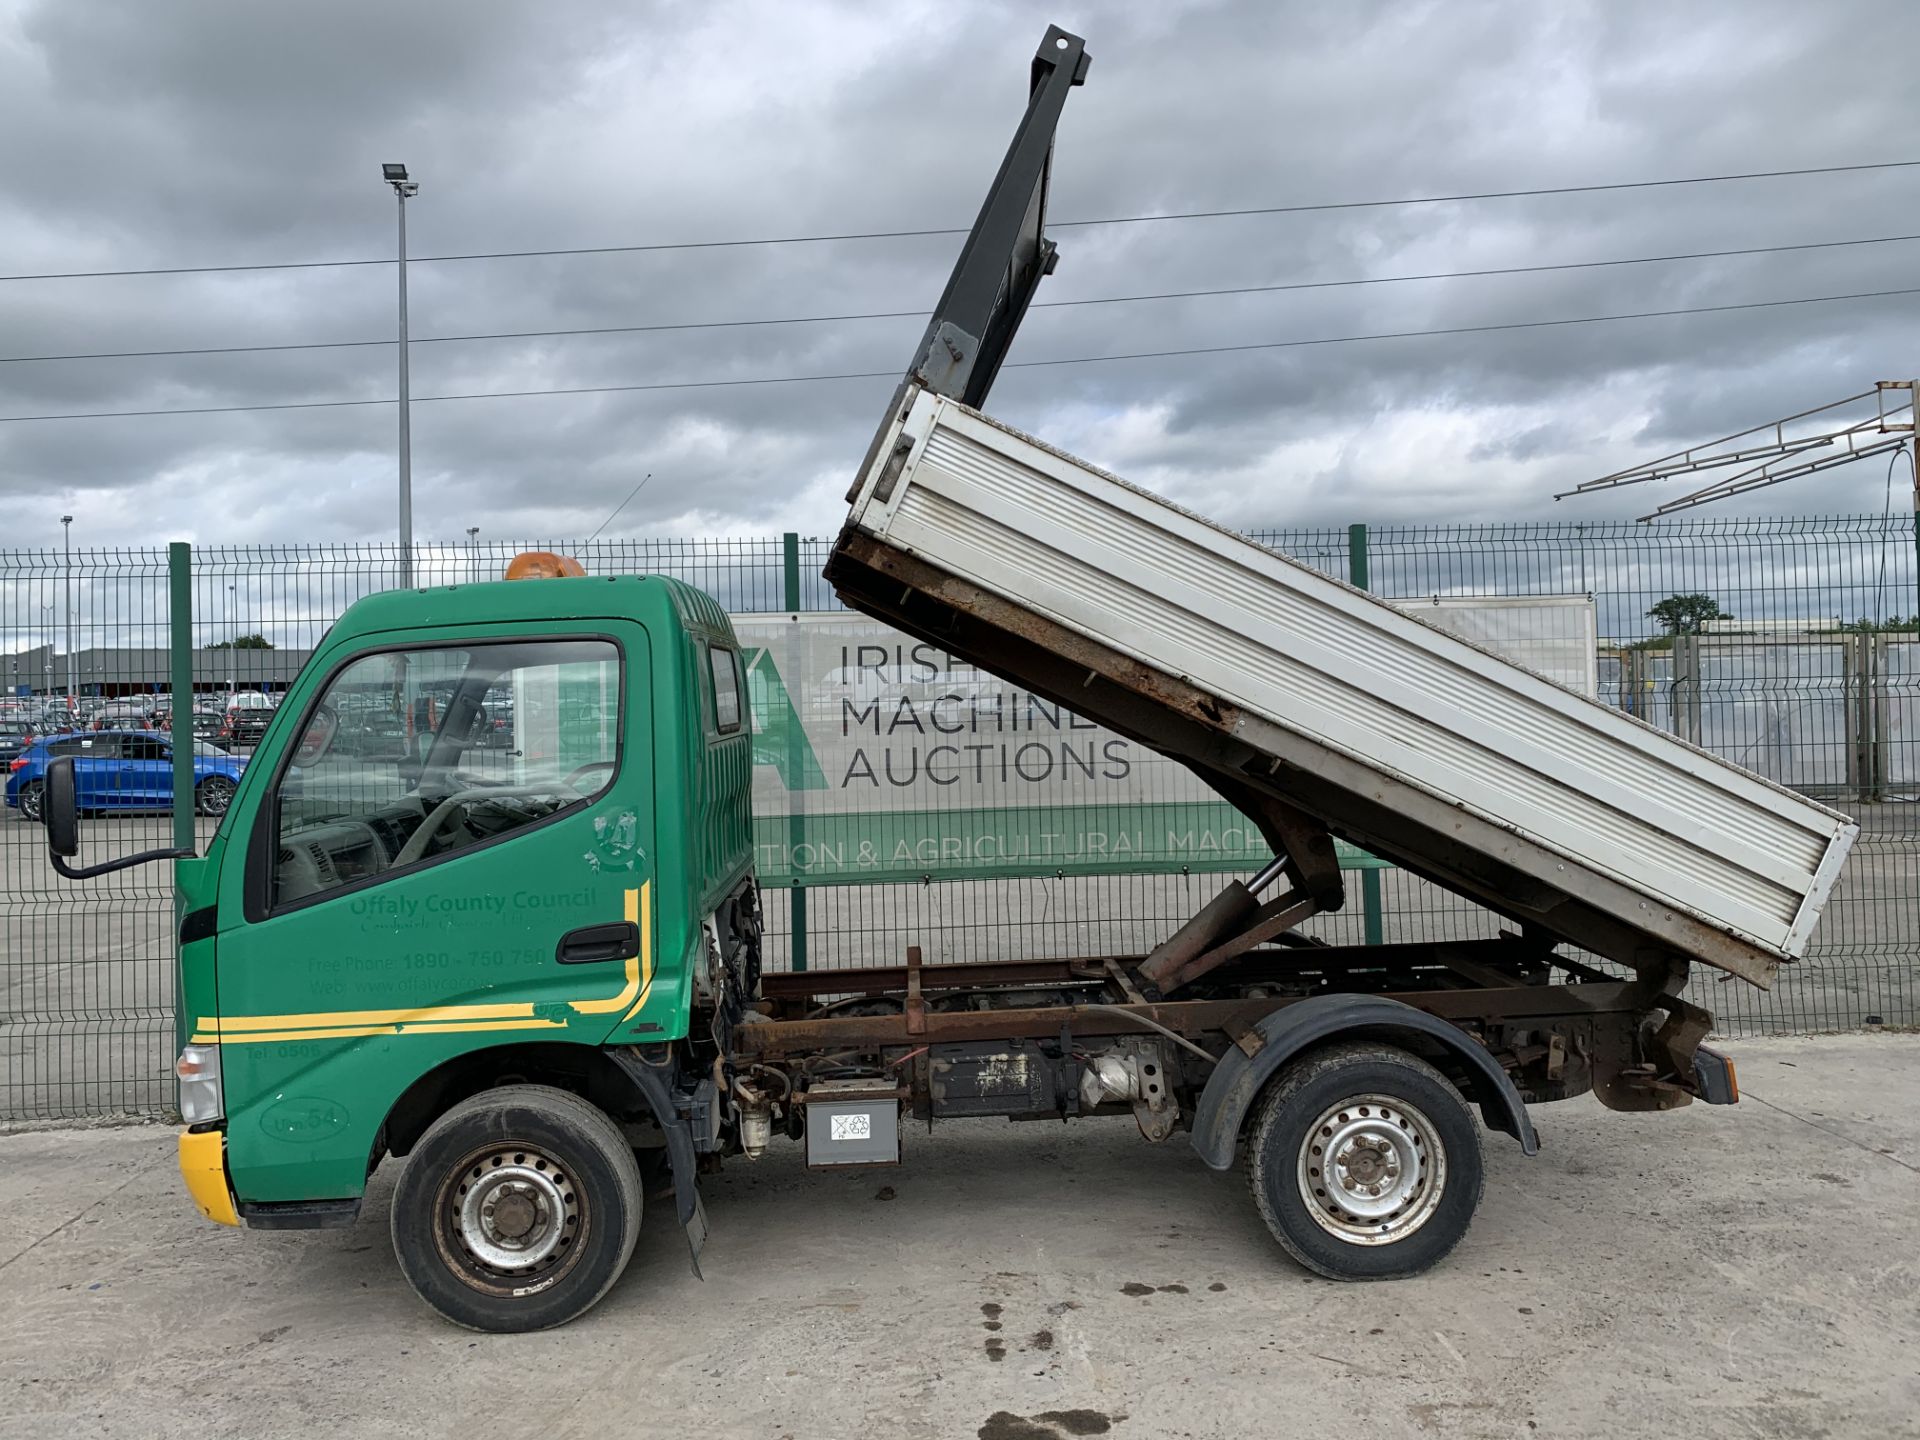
199, 1070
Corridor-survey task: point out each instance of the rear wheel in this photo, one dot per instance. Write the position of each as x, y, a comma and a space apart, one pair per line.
517, 1210
33, 796
213, 795
1365, 1163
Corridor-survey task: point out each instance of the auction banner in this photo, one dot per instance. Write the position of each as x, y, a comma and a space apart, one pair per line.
878, 757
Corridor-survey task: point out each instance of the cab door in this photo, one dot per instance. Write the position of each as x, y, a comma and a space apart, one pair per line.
391, 912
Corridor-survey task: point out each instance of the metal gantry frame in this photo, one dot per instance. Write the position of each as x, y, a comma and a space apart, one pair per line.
1879, 434
1782, 450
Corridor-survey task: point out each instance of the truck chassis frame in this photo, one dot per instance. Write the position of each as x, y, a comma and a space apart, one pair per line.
1631, 1040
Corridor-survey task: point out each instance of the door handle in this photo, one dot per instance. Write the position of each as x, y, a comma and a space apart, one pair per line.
590, 943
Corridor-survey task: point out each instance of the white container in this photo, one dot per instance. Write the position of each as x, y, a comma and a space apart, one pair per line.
1483, 776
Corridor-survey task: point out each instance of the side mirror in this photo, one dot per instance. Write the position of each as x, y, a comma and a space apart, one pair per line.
62, 809
63, 829
318, 737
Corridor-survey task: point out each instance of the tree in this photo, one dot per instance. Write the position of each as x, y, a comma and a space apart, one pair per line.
1687, 614
244, 642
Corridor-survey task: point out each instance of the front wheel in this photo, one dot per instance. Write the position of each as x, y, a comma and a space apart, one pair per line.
517, 1210
1365, 1163
33, 800
214, 795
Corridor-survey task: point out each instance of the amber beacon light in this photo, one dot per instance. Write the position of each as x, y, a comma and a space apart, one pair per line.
542, 565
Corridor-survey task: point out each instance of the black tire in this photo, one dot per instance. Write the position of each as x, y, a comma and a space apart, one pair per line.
579, 1171
32, 799
213, 795
1399, 1124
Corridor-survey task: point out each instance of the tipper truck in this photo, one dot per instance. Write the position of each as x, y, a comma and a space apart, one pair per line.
533, 972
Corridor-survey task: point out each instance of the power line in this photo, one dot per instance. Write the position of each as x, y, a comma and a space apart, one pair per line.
917, 314
1014, 365
1469, 329
1010, 365
621, 506
1493, 194
823, 239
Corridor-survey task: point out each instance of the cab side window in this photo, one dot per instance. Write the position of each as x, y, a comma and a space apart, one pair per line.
412, 756
724, 667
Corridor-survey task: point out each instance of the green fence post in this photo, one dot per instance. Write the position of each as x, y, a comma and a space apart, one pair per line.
1370, 877
180, 686
796, 831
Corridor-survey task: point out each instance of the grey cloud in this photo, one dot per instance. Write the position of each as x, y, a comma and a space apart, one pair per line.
201, 133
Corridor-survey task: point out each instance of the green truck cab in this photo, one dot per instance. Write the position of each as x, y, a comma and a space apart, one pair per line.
540, 873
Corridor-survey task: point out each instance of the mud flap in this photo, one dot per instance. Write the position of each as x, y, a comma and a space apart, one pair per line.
652, 1085
695, 1226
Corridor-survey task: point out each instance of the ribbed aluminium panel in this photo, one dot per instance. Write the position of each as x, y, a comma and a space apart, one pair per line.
1355, 674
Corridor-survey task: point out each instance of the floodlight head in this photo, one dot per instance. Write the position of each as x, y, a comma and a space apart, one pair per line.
393, 174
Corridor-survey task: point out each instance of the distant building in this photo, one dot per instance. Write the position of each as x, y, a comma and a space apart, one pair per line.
1809, 626
116, 671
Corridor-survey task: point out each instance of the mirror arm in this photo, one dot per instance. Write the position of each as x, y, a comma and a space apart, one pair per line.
107, 867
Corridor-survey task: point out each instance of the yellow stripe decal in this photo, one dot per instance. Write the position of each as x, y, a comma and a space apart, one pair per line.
349, 1032
646, 947
431, 1019
227, 1024
639, 908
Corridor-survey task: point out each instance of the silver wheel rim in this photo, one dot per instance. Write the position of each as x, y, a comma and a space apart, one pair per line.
1372, 1170
30, 800
215, 796
514, 1212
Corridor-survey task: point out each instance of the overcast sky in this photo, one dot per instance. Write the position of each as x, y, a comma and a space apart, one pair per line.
186, 134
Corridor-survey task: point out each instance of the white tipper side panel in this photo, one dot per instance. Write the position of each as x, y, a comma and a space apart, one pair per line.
1355, 674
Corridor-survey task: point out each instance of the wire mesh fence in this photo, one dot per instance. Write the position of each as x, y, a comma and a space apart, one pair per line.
1789, 646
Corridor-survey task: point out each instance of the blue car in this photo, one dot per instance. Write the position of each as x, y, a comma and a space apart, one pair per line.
121, 770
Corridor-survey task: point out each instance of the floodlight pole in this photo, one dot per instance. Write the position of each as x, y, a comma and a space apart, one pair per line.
403, 190
1913, 459
66, 530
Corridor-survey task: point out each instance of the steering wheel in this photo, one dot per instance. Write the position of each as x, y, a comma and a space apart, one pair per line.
579, 770
437, 817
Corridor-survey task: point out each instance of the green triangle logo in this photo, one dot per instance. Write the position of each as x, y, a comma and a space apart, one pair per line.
779, 739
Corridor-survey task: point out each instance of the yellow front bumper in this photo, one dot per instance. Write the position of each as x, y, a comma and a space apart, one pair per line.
203, 1165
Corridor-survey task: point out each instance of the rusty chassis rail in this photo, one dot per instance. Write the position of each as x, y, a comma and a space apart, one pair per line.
1458, 987
1191, 1018
1487, 963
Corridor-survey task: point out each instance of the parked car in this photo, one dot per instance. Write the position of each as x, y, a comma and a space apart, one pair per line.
120, 770
248, 714
206, 724
121, 715
15, 736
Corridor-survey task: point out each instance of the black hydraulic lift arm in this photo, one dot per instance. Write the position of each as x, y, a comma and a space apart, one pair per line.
1006, 254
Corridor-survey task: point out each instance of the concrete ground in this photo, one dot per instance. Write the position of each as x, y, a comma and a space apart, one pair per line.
1717, 1272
